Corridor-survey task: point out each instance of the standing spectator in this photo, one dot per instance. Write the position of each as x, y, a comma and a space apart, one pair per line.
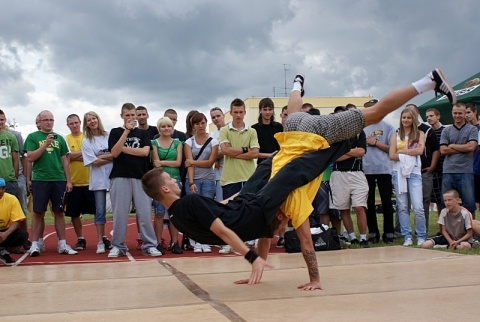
142, 116
218, 119
284, 114
240, 146
350, 188
429, 159
11, 214
50, 181
9, 157
167, 153
80, 200
266, 129
172, 115
378, 170
200, 152
458, 143
97, 157
130, 149
472, 118
405, 150
433, 118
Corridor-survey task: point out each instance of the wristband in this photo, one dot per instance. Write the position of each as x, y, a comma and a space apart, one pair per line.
191, 184
251, 256
244, 150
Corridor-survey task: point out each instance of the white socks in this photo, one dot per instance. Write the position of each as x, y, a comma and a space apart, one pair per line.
425, 84
297, 87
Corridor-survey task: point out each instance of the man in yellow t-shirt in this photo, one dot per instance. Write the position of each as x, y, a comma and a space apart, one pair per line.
11, 214
80, 200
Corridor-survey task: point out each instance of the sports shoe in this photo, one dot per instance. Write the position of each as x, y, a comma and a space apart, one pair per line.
440, 246
160, 248
301, 79
115, 252
176, 249
197, 248
250, 243
27, 245
420, 242
442, 86
107, 243
225, 249
354, 241
408, 242
139, 244
364, 244
100, 248
206, 249
81, 244
34, 250
5, 258
186, 245
66, 250
476, 243
374, 239
280, 242
151, 251
344, 241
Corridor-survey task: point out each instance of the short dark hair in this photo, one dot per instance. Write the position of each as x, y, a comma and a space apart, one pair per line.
434, 110
1, 112
128, 107
170, 111
237, 102
472, 107
141, 108
453, 192
265, 102
151, 183
71, 115
307, 105
197, 118
350, 105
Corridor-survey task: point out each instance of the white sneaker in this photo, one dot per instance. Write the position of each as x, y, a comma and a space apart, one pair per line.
206, 249
440, 246
100, 248
408, 242
34, 251
420, 242
225, 249
42, 248
66, 250
115, 252
152, 251
250, 243
197, 248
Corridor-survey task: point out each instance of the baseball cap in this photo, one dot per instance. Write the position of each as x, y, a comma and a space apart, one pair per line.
340, 109
371, 102
2, 182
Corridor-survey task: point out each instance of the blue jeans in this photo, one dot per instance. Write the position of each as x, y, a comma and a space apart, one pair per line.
414, 184
464, 184
205, 188
100, 206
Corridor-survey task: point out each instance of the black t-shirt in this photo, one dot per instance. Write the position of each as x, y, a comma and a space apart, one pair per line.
126, 165
194, 214
152, 131
431, 145
353, 164
265, 133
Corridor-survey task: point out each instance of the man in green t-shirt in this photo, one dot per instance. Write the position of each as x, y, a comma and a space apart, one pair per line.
50, 181
8, 157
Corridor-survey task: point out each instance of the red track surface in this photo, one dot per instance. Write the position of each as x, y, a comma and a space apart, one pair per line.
51, 255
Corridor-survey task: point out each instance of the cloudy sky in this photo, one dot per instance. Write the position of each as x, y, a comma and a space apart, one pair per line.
76, 56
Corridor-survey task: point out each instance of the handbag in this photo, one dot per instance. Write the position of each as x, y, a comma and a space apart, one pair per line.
327, 239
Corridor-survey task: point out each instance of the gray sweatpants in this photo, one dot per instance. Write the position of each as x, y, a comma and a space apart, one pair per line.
122, 191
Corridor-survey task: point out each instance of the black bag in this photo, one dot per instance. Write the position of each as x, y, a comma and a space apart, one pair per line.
326, 240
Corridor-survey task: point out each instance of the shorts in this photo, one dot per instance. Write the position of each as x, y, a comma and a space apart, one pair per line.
349, 188
440, 240
45, 191
321, 203
80, 201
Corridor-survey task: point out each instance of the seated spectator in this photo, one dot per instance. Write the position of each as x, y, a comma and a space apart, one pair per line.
456, 225
11, 215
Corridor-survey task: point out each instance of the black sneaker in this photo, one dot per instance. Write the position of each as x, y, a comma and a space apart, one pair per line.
364, 243
160, 248
176, 249
301, 79
6, 259
442, 86
374, 240
107, 243
280, 242
81, 244
27, 245
354, 241
186, 243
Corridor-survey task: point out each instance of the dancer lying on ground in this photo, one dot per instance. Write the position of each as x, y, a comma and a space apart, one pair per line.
254, 213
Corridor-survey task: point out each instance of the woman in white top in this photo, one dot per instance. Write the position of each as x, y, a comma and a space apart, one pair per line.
405, 150
96, 156
201, 152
